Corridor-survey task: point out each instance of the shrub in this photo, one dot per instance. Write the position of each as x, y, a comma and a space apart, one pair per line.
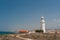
40, 31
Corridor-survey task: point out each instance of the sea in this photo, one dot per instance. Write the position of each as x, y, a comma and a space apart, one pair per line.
3, 32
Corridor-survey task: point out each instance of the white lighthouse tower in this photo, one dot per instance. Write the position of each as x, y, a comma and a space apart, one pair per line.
42, 24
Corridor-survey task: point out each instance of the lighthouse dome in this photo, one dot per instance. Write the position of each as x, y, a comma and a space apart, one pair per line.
42, 18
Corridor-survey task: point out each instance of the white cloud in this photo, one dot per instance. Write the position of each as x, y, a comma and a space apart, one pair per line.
50, 24
53, 24
56, 20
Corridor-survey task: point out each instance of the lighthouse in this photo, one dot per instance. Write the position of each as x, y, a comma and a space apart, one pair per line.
42, 24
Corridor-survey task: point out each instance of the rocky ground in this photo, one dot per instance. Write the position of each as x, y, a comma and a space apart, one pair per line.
34, 36
10, 38
42, 36
6, 37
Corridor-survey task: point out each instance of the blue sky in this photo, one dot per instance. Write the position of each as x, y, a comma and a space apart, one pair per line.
25, 14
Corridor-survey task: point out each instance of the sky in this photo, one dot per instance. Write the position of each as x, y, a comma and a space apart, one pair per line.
25, 14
